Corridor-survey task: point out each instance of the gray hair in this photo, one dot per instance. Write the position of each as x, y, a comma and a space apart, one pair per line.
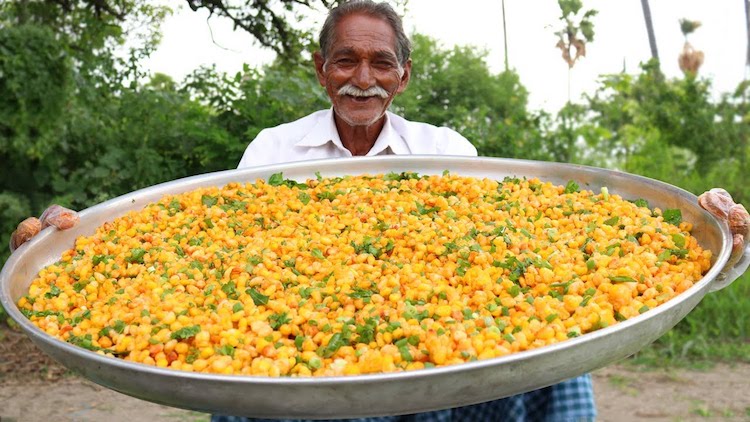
366, 7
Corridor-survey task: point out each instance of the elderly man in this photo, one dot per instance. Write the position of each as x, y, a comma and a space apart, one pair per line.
363, 63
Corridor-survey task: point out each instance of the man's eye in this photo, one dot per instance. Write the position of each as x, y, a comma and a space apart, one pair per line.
385, 64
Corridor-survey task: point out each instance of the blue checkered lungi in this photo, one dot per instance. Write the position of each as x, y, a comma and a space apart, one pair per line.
569, 401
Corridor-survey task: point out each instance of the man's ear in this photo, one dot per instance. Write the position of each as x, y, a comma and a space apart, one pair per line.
319, 63
405, 77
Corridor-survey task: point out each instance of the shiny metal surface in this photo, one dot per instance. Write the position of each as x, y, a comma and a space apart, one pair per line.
380, 394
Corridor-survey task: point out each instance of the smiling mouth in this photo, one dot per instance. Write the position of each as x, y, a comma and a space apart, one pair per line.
358, 99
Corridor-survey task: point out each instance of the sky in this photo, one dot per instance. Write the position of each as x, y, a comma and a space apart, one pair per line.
620, 41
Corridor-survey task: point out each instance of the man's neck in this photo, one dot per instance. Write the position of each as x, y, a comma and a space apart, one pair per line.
359, 140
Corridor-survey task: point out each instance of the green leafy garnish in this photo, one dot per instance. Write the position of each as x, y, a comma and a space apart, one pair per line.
571, 187
209, 201
186, 332
672, 216
622, 279
136, 255
258, 297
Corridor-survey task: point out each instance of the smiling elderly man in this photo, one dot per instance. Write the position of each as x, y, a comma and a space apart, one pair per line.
363, 63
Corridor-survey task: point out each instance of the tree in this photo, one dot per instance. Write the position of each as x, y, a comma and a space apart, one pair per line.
455, 88
577, 29
650, 29
576, 32
690, 59
269, 21
646, 116
59, 75
505, 38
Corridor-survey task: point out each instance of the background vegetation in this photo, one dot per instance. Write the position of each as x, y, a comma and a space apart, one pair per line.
81, 122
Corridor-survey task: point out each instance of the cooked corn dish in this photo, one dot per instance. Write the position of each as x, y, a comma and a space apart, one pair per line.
355, 275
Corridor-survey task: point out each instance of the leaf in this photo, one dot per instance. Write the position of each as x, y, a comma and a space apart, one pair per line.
258, 298
672, 216
571, 187
317, 253
276, 179
612, 221
209, 201
622, 279
641, 203
679, 240
186, 332
336, 342
136, 255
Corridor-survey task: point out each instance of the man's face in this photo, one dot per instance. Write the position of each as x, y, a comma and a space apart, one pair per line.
361, 59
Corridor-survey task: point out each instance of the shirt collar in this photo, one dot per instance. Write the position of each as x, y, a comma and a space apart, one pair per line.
389, 138
325, 131
322, 133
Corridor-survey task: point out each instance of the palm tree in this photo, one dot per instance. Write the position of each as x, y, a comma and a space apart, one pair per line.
650, 29
505, 39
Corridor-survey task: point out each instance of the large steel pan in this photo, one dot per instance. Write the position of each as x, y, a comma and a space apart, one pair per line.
380, 394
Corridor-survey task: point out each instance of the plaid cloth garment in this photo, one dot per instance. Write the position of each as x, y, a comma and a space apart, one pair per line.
569, 401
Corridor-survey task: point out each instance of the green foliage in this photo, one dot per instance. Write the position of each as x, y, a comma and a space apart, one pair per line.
718, 328
688, 27
455, 88
576, 30
638, 118
35, 79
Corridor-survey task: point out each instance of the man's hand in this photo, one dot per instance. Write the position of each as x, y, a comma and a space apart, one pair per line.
55, 215
719, 203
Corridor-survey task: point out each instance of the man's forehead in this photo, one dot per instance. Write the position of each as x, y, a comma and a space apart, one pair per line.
359, 32
359, 50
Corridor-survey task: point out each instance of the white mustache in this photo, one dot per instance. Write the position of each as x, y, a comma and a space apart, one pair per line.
373, 91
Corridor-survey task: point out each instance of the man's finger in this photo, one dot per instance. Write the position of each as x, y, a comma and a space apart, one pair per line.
739, 220
28, 228
60, 217
717, 202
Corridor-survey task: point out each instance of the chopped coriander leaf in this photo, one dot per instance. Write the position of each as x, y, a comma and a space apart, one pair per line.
641, 203
136, 255
276, 179
571, 187
336, 342
258, 298
186, 332
672, 216
622, 279
54, 291
226, 350
209, 201
612, 221
317, 253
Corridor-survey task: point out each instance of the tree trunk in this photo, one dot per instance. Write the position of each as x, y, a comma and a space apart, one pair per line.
505, 39
650, 29
747, 25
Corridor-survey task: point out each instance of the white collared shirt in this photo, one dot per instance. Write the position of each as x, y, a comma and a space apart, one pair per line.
315, 137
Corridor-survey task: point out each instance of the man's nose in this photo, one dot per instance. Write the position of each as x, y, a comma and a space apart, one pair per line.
363, 76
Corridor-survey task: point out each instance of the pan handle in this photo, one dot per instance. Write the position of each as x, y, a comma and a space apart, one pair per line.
734, 268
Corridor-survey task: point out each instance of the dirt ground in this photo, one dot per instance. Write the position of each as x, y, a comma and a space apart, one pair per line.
34, 388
